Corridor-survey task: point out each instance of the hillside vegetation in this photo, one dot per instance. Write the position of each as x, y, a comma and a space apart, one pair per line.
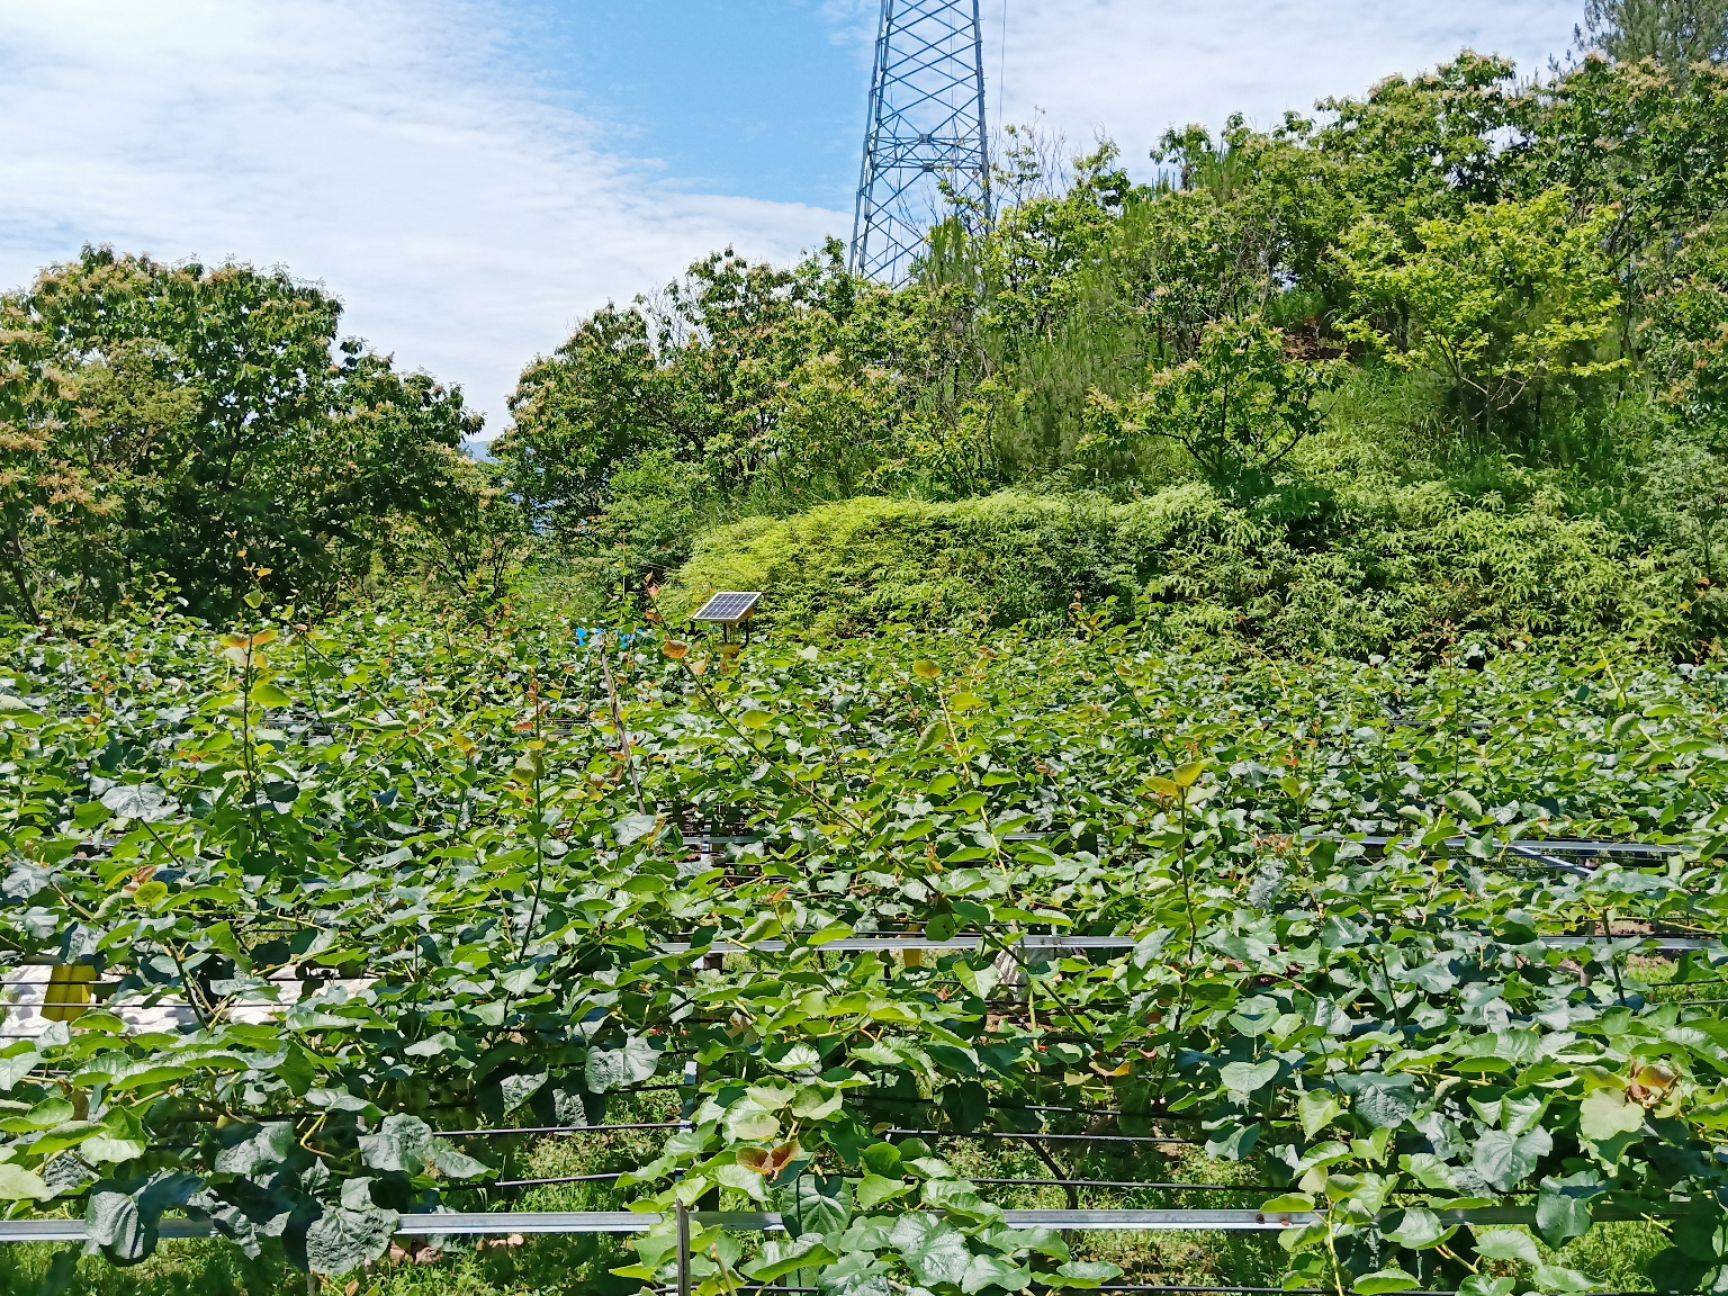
1454, 353
1413, 567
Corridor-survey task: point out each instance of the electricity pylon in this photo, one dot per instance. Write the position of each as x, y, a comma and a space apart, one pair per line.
927, 130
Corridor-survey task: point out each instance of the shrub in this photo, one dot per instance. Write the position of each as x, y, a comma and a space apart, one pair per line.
1000, 559
1410, 567
1238, 407
1506, 303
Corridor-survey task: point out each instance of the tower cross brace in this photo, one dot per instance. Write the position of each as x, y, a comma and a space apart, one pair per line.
927, 129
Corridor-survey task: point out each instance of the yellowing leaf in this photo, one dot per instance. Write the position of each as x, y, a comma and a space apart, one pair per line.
1607, 1113
69, 996
19, 1184
1188, 775
1658, 1077
768, 1163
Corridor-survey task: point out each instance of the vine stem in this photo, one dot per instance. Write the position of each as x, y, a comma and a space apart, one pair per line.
769, 759
1006, 948
539, 826
1332, 1250
1187, 871
248, 756
1613, 961
626, 747
1181, 1012
194, 994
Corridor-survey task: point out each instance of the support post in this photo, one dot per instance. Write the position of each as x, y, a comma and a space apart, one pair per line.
683, 1250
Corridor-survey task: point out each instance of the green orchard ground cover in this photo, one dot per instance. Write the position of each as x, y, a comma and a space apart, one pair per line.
476, 904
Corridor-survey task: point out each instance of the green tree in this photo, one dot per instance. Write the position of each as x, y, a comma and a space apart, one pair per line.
1508, 304
1239, 406
1430, 145
49, 509
580, 412
1286, 201
1183, 261
473, 536
1033, 258
1687, 330
778, 386
202, 427
1675, 33
1651, 150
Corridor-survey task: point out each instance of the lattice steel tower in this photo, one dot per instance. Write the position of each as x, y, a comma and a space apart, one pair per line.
927, 126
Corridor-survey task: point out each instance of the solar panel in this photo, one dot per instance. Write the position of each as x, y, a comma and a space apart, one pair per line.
729, 607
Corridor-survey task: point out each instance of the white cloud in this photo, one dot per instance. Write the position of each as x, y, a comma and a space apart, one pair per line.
468, 216
392, 149
1130, 69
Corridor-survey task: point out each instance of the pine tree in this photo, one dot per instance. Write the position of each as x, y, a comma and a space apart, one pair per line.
1676, 33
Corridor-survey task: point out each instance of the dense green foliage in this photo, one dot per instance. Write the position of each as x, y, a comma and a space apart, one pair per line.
1457, 322
202, 430
1412, 567
387, 878
1675, 33
377, 905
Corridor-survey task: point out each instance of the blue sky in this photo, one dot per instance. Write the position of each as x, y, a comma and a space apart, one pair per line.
471, 177
765, 97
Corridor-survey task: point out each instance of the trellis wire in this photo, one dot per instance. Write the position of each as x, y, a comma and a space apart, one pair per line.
969, 944
508, 1130
1129, 1184
1588, 848
1148, 1185
1041, 1136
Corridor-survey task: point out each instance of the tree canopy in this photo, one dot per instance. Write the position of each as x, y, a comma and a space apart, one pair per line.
1462, 277
207, 428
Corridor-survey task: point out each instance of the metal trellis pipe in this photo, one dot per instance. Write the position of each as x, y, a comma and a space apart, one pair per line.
492, 1223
